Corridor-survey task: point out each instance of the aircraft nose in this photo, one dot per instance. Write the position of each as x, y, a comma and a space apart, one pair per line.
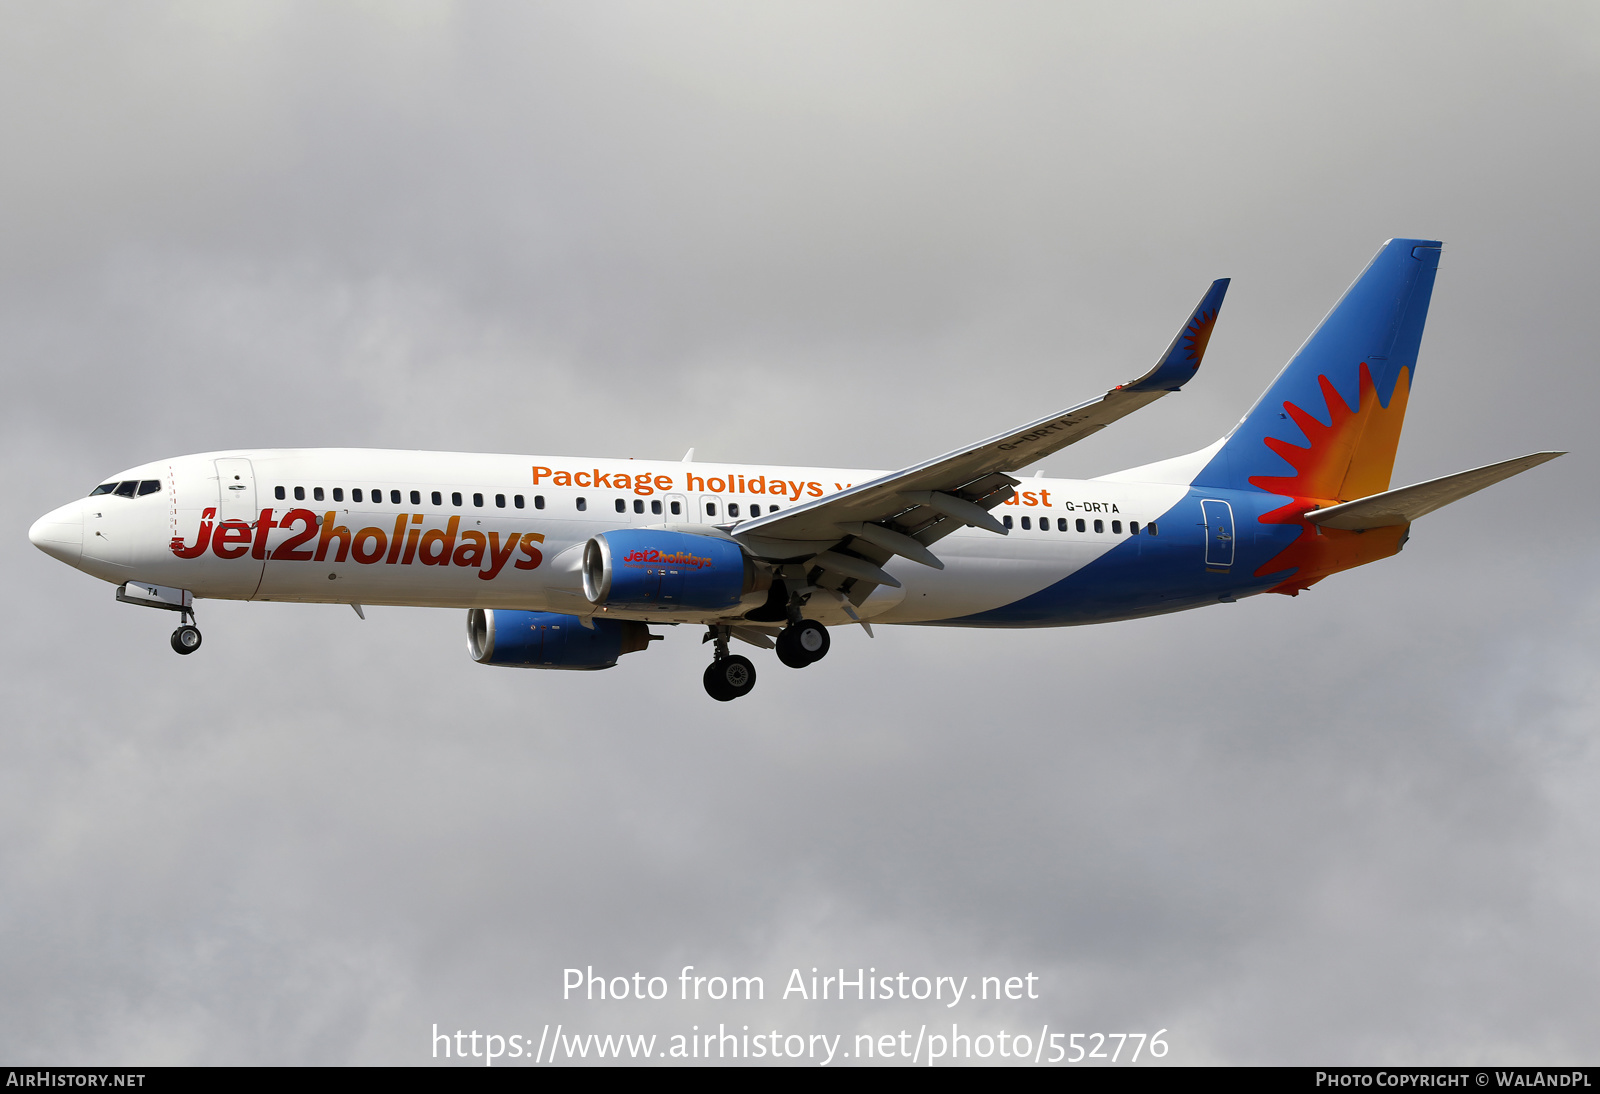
59, 533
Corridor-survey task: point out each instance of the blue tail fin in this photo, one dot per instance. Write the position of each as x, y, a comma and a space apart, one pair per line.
1329, 425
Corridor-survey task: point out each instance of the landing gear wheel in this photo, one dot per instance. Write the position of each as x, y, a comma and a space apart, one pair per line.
186, 639
727, 678
803, 643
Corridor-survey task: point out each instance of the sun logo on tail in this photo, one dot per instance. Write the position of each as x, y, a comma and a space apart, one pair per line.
1350, 457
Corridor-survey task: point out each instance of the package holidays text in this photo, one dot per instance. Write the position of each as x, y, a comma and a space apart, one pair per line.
646, 484
407, 543
864, 985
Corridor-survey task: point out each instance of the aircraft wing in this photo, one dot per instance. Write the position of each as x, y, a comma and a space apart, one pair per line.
901, 513
1406, 504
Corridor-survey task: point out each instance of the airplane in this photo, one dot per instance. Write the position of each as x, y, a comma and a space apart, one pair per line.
566, 563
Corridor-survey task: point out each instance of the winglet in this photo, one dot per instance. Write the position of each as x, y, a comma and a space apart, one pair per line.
1183, 357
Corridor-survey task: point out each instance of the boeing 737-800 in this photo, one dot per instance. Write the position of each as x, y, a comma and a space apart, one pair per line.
565, 563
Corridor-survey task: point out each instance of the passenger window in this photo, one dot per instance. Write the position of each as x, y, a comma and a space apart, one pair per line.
338, 493
516, 499
1027, 524
772, 509
755, 510
299, 493
538, 501
1116, 527
499, 501
455, 499
711, 509
655, 507
149, 486
477, 499
1081, 526
437, 498
677, 509
733, 510
1007, 520
279, 493
1099, 526
103, 488
394, 497
316, 493
583, 504
355, 495
1061, 524
1150, 529
638, 506
622, 506
416, 497
1133, 527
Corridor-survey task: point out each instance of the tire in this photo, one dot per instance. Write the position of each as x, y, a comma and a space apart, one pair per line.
789, 649
728, 678
186, 639
811, 639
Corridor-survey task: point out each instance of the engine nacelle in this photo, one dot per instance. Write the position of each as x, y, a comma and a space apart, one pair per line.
645, 569
546, 640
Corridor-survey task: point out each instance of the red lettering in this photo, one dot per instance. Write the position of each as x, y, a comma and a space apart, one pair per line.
445, 541
1044, 497
228, 534
812, 488
534, 555
600, 480
580, 479
716, 486
411, 542
287, 550
397, 541
264, 524
497, 556
539, 473
663, 483
380, 543
330, 533
202, 538
470, 553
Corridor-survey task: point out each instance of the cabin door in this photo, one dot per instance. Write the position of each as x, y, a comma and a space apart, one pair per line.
1219, 534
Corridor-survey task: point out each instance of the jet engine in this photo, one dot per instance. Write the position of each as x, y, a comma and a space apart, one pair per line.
645, 569
547, 640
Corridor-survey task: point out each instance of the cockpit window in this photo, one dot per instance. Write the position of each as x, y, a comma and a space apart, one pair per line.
149, 486
103, 488
126, 489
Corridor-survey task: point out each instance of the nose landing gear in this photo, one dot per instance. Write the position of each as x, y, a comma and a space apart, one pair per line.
803, 643
729, 676
186, 639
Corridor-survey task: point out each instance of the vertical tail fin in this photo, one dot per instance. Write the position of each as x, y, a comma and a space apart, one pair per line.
1329, 425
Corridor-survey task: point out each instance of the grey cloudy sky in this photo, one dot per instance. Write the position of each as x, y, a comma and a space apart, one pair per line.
1356, 826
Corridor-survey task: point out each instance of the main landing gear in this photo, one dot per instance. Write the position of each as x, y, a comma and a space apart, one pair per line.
728, 676
803, 643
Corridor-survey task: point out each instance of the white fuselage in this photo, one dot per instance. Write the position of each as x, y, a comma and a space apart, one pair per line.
468, 530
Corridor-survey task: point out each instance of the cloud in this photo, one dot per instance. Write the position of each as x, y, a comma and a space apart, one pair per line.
1345, 827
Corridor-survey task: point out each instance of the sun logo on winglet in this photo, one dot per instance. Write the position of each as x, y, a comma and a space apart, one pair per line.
1197, 334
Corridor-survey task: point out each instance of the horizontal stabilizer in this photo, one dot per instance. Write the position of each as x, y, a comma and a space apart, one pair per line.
1406, 504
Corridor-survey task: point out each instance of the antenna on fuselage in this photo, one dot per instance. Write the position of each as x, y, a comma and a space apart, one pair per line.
688, 457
